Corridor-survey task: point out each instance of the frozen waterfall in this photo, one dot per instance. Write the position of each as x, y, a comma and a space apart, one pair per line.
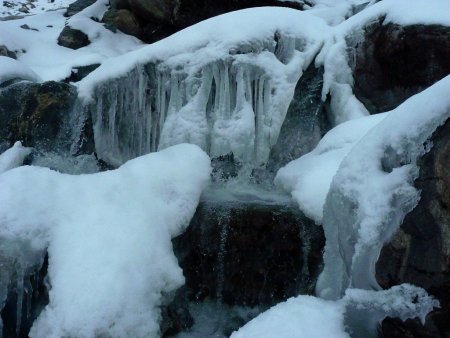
234, 104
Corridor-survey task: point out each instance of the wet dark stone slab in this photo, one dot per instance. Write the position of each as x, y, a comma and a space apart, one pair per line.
249, 253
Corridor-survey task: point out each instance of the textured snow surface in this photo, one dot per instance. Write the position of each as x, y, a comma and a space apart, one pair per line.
13, 69
311, 317
13, 7
300, 317
37, 47
108, 237
373, 190
13, 157
308, 178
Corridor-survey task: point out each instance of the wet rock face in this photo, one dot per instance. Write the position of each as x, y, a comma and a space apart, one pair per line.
420, 251
34, 112
395, 62
249, 254
305, 123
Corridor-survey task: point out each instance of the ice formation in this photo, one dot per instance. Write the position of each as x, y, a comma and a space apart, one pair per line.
373, 191
13, 157
308, 178
108, 238
222, 89
359, 311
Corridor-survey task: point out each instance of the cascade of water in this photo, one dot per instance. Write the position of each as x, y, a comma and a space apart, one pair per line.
223, 220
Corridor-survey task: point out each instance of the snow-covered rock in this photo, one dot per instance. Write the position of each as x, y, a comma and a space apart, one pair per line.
108, 238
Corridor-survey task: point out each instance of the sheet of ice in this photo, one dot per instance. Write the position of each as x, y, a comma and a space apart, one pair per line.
373, 190
355, 315
108, 237
13, 69
38, 49
308, 178
13, 157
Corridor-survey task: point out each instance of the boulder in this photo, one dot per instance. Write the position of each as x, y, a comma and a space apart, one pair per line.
4, 51
155, 10
419, 253
72, 38
249, 252
78, 6
124, 20
80, 72
34, 113
394, 62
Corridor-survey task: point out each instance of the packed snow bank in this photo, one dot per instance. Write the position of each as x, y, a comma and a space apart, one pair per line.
308, 178
13, 157
356, 314
13, 69
108, 237
373, 190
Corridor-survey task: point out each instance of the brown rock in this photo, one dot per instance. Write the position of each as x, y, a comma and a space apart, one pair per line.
124, 20
394, 62
420, 251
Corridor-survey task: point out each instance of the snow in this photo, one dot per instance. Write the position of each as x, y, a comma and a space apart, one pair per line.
39, 49
312, 317
300, 317
108, 237
373, 190
13, 7
13, 69
13, 157
308, 178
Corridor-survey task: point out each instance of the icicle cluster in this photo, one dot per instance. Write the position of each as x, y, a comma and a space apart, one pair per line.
234, 104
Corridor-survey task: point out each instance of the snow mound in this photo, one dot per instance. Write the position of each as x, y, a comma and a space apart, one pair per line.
308, 178
373, 190
300, 317
311, 317
108, 237
13, 157
12, 69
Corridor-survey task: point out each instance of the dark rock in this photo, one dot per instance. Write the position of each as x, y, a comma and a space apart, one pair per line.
72, 38
155, 10
79, 73
4, 51
77, 7
34, 113
122, 19
305, 123
120, 4
176, 316
249, 252
29, 28
420, 251
394, 62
